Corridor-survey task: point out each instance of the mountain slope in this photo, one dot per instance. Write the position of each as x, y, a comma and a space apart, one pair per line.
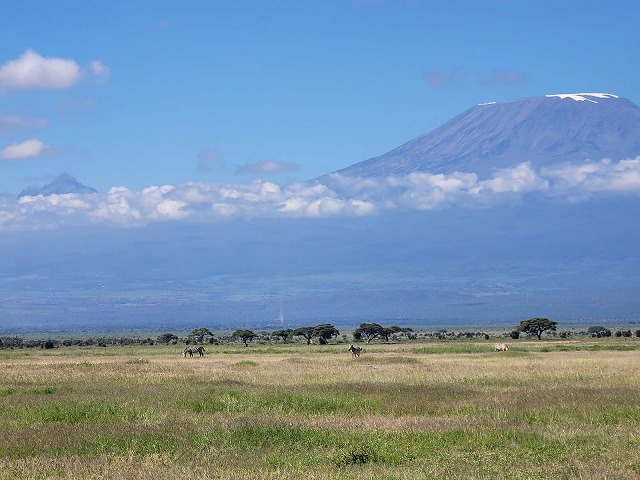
543, 130
63, 183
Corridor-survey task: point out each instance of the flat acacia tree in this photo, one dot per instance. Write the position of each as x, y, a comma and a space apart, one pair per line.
369, 331
164, 338
599, 331
198, 334
325, 332
388, 331
284, 334
306, 332
244, 335
536, 326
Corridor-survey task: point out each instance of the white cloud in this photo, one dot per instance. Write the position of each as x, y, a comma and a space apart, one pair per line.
602, 176
65, 203
115, 208
269, 166
337, 196
27, 149
99, 71
171, 209
519, 179
31, 70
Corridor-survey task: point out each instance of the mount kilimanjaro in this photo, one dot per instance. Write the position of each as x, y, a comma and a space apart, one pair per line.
574, 260
542, 130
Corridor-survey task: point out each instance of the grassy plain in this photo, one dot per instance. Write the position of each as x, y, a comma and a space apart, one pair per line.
447, 409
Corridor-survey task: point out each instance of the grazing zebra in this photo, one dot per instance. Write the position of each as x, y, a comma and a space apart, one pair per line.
191, 350
501, 347
355, 351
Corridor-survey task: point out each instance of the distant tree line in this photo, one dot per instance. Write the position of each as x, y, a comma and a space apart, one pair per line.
321, 334
17, 342
371, 331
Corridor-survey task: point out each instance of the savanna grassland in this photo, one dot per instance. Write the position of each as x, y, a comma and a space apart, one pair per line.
401, 411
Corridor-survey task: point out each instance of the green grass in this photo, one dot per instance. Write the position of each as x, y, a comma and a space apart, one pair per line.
453, 348
448, 410
43, 390
237, 401
73, 413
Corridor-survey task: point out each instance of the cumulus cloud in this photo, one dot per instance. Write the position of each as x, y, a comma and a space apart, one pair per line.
267, 167
31, 70
602, 176
27, 149
522, 178
335, 196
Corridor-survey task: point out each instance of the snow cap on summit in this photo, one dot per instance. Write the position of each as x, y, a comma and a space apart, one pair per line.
581, 97
546, 131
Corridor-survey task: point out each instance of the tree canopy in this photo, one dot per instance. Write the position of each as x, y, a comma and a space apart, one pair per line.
244, 335
284, 334
306, 332
388, 331
323, 333
369, 331
199, 333
166, 338
536, 326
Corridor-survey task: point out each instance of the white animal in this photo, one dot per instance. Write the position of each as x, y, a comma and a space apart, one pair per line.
501, 347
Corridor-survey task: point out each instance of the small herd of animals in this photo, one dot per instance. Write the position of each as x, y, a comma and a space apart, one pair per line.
355, 351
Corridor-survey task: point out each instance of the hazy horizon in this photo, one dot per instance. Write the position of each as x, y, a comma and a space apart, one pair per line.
202, 126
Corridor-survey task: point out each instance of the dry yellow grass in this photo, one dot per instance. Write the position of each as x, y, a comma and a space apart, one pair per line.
317, 413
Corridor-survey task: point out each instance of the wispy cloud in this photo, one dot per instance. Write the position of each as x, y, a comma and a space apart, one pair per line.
27, 149
508, 77
11, 124
99, 71
267, 167
440, 79
336, 196
208, 159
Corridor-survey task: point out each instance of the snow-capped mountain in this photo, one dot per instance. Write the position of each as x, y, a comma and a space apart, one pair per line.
542, 130
63, 183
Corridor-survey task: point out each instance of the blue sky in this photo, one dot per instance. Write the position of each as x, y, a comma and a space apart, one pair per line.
231, 91
283, 90
204, 112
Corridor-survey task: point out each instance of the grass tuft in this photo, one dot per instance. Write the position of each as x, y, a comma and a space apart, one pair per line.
137, 361
74, 413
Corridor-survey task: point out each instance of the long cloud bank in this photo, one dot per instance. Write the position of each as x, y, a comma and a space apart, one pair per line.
336, 195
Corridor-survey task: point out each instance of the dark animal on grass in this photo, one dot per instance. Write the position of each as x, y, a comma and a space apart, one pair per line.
191, 350
355, 351
501, 347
